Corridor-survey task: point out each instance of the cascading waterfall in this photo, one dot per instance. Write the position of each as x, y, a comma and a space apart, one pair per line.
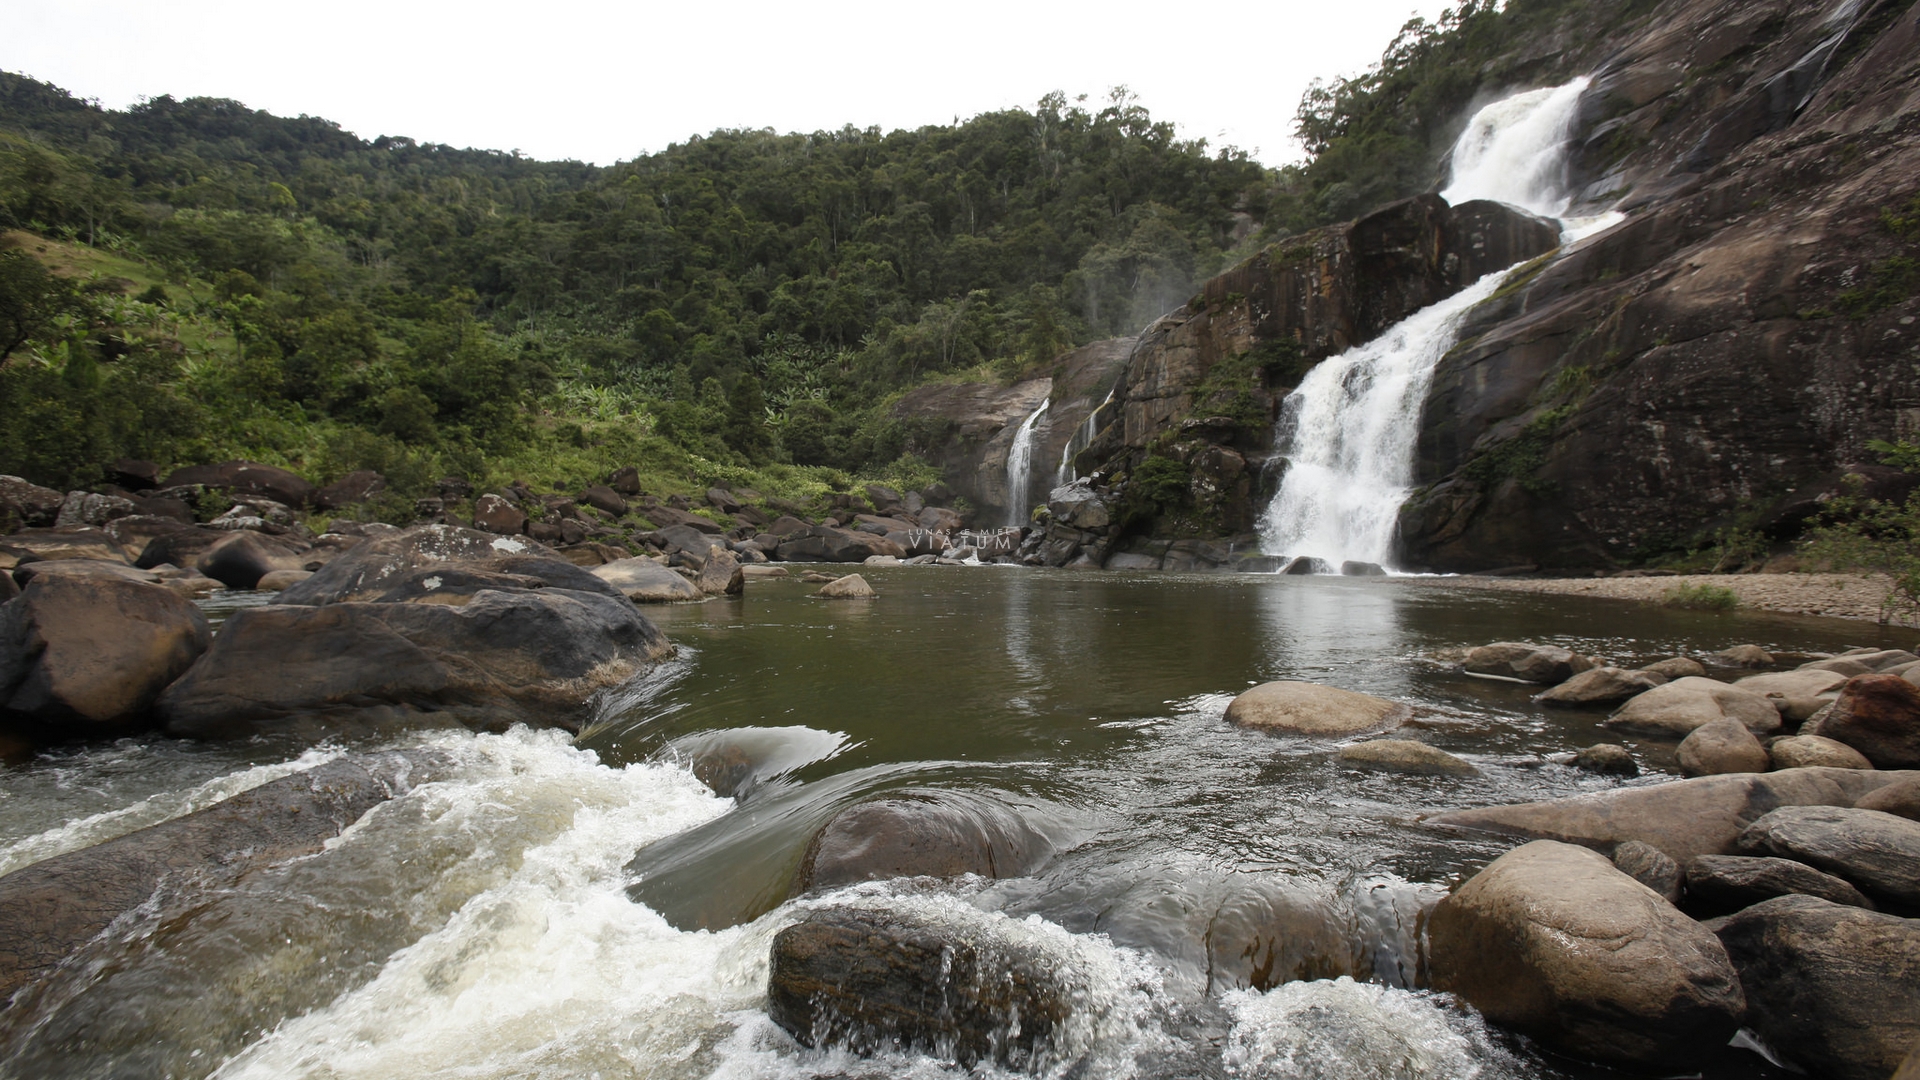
1082, 438
1020, 466
1349, 428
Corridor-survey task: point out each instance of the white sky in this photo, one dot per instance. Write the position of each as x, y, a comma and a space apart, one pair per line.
605, 81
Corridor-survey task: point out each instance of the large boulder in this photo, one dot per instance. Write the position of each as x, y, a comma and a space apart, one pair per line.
647, 582
88, 508
501, 658
1721, 746
851, 587
1526, 662
1878, 852
1802, 682
1833, 989
494, 514
26, 505
1552, 940
369, 569
720, 574
1673, 711
246, 478
239, 560
1813, 751
1723, 884
1601, 686
1900, 798
921, 832
604, 499
86, 657
873, 981
355, 487
1878, 715
824, 543
52, 907
63, 542
1304, 708
1704, 816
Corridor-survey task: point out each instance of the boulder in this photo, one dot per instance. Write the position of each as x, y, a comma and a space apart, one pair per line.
1878, 852
86, 508
133, 474
8, 587
1742, 656
723, 500
939, 519
851, 587
1552, 940
1723, 884
761, 571
885, 499
873, 981
684, 538
180, 547
625, 480
51, 908
1721, 746
1675, 667
1881, 660
647, 582
369, 569
604, 499
281, 580
1704, 816
1800, 683
1832, 989
824, 543
501, 658
921, 832
246, 478
1078, 506
86, 657
1813, 751
667, 516
1651, 867
239, 560
28, 573
1405, 756
1900, 798
27, 505
63, 542
134, 533
1526, 662
353, 488
720, 575
1608, 759
458, 583
1676, 709
1843, 666
1304, 708
494, 514
1601, 686
1878, 715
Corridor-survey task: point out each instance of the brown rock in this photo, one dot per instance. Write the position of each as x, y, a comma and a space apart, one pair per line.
1526, 662
1555, 942
1651, 867
241, 559
281, 580
604, 499
1813, 751
1303, 708
355, 487
1723, 884
1877, 852
647, 582
369, 569
720, 574
921, 833
625, 480
853, 586
493, 514
1900, 798
25, 505
65, 542
1676, 709
1743, 656
1405, 756
246, 478
1601, 686
1878, 715
1608, 759
1721, 746
1676, 667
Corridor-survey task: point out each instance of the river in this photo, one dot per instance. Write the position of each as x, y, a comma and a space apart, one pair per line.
549, 907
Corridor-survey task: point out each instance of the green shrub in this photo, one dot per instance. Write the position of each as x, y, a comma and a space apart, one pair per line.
1701, 597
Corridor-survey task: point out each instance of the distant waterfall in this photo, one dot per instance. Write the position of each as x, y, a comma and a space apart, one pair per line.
1348, 430
1082, 438
1020, 467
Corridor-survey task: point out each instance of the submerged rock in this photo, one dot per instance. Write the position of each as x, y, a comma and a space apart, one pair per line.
1526, 662
926, 832
873, 981
1878, 852
1675, 667
851, 587
1676, 709
1833, 989
1552, 940
86, 657
1601, 686
1304, 708
1608, 759
1721, 746
1723, 884
1405, 756
1742, 656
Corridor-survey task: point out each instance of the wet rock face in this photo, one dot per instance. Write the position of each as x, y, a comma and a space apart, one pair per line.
1834, 989
926, 832
1555, 942
86, 657
872, 981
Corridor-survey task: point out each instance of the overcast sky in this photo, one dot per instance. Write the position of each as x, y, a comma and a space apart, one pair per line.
606, 81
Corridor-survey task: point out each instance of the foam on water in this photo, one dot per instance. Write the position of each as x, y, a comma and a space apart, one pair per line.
1515, 151
1338, 1029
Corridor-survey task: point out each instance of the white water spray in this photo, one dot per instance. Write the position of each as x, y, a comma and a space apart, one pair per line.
1082, 438
1349, 429
1020, 467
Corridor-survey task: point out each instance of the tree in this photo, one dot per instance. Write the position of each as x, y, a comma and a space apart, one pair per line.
746, 430
31, 301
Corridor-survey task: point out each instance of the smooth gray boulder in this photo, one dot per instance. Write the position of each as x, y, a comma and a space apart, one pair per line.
1878, 852
1553, 941
1304, 708
1406, 757
1724, 884
1676, 709
1721, 746
1526, 662
644, 581
1601, 686
921, 832
1833, 989
1675, 667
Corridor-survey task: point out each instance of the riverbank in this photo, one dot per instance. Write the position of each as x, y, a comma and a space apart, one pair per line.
1838, 596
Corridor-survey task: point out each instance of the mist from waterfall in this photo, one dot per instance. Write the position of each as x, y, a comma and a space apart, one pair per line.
1349, 429
1020, 467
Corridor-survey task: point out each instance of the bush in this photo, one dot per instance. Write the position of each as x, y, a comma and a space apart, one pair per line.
1702, 597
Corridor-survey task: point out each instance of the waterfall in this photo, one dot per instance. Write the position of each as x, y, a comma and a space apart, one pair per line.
1020, 467
1082, 438
1348, 430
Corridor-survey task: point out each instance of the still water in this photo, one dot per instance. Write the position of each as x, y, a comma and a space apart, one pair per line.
547, 907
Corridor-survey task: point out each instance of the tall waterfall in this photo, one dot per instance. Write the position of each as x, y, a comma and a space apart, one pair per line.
1082, 438
1349, 428
1020, 467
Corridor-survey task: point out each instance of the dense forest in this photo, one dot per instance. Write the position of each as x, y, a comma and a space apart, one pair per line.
194, 280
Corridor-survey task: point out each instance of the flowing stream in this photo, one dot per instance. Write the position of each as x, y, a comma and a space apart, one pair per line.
1020, 467
551, 907
1348, 430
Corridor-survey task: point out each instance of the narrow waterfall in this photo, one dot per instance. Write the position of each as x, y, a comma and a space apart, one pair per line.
1082, 438
1020, 467
1348, 430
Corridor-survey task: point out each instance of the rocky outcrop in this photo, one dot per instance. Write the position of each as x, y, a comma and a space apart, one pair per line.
1724, 355
1555, 942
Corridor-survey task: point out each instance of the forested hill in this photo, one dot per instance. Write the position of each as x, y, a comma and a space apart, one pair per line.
230, 283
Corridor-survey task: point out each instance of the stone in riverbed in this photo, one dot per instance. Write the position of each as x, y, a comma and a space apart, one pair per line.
1676, 709
647, 582
371, 568
851, 587
1601, 686
1878, 715
1405, 756
1552, 940
1304, 708
1526, 662
1878, 852
240, 560
720, 574
1721, 746
1676, 667
1607, 759
1651, 867
1808, 751
1798, 683
281, 580
874, 981
763, 572
925, 832
1742, 656
1835, 990
1900, 798
1724, 884
66, 542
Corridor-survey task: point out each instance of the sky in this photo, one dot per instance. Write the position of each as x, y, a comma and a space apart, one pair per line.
604, 82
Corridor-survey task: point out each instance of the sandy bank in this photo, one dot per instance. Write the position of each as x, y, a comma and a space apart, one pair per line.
1841, 596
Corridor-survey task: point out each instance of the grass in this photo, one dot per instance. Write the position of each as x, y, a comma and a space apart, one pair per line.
1702, 597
